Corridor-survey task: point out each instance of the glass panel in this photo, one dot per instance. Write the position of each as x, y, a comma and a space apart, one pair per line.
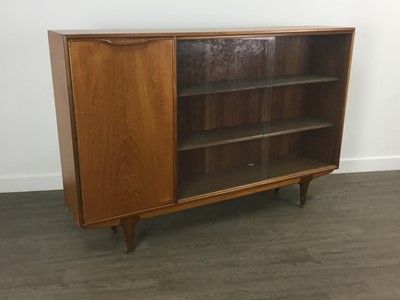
267, 111
306, 101
252, 109
222, 98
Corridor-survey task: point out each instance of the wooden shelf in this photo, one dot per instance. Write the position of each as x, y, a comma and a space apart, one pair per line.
226, 135
250, 84
201, 185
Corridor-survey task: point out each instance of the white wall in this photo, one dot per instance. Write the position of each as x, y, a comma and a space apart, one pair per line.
29, 158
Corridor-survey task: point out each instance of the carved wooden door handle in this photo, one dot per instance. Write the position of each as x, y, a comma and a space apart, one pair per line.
128, 42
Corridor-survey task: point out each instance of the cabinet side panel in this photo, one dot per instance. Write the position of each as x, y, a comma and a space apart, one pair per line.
331, 55
123, 101
60, 73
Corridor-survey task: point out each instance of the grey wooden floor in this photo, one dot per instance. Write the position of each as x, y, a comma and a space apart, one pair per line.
344, 245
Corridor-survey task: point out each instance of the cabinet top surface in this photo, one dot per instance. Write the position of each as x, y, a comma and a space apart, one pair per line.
204, 32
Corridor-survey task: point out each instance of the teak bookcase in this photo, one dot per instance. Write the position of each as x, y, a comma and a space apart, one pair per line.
156, 122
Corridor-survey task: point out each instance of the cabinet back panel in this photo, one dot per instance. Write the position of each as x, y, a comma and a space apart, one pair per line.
285, 102
219, 158
292, 55
320, 145
202, 112
197, 113
331, 54
123, 97
316, 145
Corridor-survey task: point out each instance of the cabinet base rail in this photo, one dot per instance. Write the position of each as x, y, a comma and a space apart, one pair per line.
129, 223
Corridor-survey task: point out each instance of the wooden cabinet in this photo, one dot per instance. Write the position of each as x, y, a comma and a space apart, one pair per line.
156, 122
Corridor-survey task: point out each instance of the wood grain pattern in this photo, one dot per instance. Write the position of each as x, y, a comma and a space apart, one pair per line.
202, 161
202, 112
65, 125
292, 55
123, 98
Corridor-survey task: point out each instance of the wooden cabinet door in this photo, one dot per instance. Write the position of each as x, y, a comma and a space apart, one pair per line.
123, 102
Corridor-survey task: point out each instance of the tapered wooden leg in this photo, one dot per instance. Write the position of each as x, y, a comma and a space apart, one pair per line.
304, 183
129, 224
